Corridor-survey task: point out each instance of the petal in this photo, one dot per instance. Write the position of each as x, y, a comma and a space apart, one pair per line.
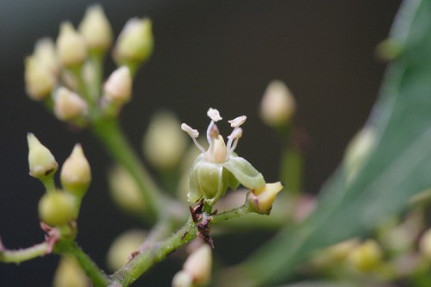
244, 172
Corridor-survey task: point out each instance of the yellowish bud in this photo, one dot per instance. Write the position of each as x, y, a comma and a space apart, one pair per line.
39, 79
198, 265
135, 43
76, 173
95, 29
118, 87
263, 198
40, 160
123, 246
125, 192
278, 104
425, 244
68, 105
182, 279
366, 256
336, 253
69, 274
47, 56
57, 208
164, 144
358, 150
71, 46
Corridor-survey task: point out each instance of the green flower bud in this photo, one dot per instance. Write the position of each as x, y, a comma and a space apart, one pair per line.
125, 192
68, 105
366, 256
70, 274
218, 168
278, 104
95, 29
198, 265
75, 174
71, 46
41, 162
164, 144
57, 208
123, 246
135, 43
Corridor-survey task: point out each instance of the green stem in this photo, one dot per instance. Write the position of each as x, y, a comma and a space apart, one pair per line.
291, 169
234, 213
111, 136
96, 58
96, 275
155, 253
21, 255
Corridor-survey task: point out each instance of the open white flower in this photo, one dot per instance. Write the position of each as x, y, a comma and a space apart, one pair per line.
219, 168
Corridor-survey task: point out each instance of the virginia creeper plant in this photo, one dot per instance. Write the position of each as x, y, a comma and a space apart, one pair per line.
368, 228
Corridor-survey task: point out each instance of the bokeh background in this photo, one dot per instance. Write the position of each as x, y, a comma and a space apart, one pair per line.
208, 53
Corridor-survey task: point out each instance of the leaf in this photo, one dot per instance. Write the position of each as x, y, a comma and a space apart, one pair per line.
398, 167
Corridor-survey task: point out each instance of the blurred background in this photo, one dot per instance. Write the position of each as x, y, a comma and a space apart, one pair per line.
218, 54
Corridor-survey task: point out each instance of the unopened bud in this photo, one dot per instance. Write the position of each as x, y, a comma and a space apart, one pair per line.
118, 87
263, 198
164, 144
41, 162
123, 246
39, 79
366, 256
57, 208
278, 104
95, 29
125, 192
198, 265
182, 279
71, 47
45, 52
69, 274
135, 43
358, 150
68, 105
76, 173
425, 244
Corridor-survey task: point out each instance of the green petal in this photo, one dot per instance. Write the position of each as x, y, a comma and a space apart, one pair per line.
244, 172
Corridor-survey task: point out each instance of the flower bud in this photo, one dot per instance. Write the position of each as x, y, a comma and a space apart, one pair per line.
118, 87
198, 265
75, 174
278, 104
68, 105
45, 52
182, 279
123, 246
41, 162
125, 192
57, 208
358, 150
39, 79
135, 42
164, 144
95, 29
425, 244
262, 198
366, 256
69, 274
71, 47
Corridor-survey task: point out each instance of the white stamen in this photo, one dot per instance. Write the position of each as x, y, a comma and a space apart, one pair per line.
238, 121
189, 130
233, 139
214, 114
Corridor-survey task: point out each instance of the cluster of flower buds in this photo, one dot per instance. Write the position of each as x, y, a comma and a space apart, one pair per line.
67, 75
196, 270
59, 207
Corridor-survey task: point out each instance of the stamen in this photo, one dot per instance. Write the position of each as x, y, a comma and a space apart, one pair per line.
233, 139
193, 134
214, 115
238, 121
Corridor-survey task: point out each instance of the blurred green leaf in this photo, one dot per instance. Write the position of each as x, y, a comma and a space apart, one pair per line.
397, 168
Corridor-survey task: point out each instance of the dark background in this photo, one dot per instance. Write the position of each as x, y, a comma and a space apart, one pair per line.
208, 53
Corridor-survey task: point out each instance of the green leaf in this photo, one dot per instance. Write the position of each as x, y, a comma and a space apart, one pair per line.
398, 167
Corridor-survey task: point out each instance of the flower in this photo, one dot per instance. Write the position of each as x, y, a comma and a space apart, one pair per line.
216, 169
